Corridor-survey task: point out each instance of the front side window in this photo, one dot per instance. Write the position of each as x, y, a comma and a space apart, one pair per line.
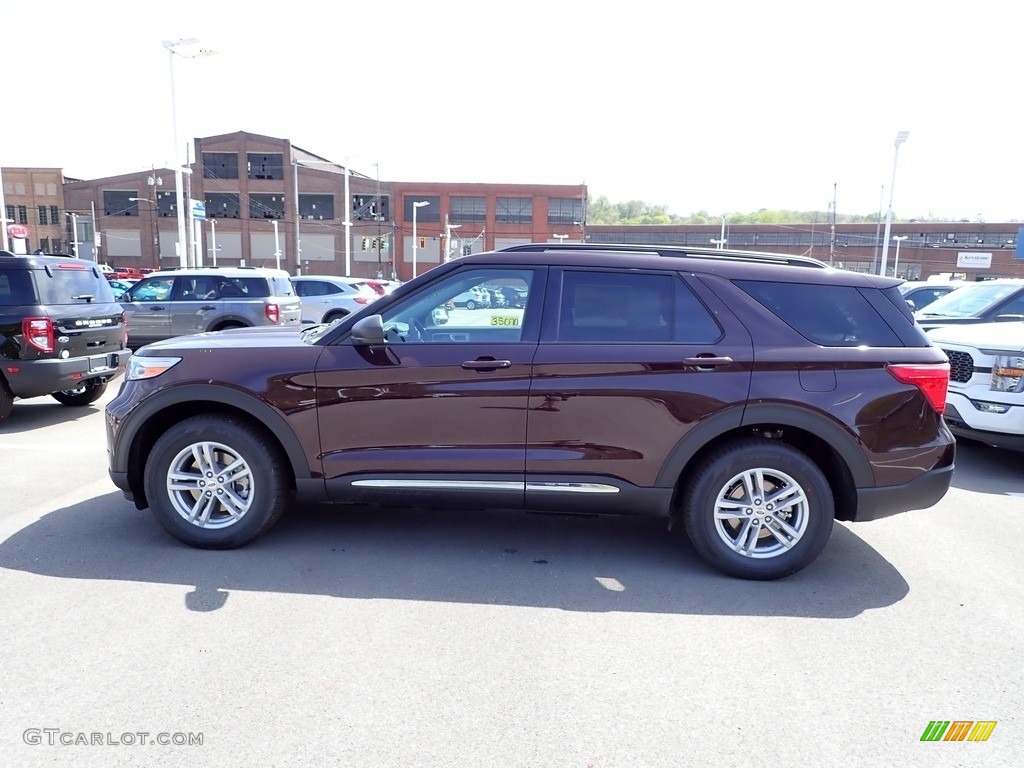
151, 289
469, 306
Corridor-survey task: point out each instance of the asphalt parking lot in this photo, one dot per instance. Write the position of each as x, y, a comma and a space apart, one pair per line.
365, 637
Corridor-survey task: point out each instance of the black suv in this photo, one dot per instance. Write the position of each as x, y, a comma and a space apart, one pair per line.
61, 332
754, 398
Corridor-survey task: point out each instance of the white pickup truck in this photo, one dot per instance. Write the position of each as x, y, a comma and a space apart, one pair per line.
985, 401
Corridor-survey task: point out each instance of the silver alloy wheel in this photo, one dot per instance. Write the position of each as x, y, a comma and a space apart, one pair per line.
210, 485
761, 513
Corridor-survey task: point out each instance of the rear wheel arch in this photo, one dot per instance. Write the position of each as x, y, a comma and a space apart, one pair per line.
832, 448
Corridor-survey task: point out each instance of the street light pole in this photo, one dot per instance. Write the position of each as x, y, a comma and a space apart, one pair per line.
900, 138
74, 233
175, 47
415, 242
213, 241
376, 212
896, 261
277, 245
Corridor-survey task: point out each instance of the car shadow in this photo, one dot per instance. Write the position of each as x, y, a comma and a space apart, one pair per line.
43, 411
591, 564
997, 471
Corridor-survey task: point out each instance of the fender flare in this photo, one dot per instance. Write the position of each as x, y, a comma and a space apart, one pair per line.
844, 443
269, 417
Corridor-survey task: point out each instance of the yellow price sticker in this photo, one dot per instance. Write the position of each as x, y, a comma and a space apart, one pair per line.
504, 321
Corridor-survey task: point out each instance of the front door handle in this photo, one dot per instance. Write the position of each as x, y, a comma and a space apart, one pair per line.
486, 365
207, 307
157, 309
707, 361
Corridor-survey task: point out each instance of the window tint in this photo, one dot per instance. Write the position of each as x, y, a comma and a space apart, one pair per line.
153, 289
470, 306
616, 307
16, 288
72, 285
830, 315
694, 323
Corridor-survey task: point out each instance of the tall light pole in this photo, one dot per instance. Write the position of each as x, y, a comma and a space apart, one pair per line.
185, 48
213, 241
896, 261
277, 245
415, 242
74, 233
377, 215
152, 223
900, 138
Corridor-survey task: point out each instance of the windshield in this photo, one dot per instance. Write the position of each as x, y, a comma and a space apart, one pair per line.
969, 300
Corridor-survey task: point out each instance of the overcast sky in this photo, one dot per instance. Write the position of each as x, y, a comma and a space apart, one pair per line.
733, 107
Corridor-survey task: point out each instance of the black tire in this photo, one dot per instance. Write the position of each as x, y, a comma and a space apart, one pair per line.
330, 317
775, 467
88, 393
259, 491
6, 400
470, 304
226, 326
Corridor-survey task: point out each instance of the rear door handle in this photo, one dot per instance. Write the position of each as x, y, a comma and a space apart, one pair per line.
207, 307
157, 309
486, 365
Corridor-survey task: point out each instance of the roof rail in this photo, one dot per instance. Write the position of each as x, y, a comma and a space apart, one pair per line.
696, 252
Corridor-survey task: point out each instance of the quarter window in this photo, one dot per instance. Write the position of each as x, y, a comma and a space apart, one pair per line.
829, 315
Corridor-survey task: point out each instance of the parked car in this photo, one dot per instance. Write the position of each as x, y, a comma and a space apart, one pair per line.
472, 298
61, 332
188, 301
382, 287
120, 286
920, 293
750, 400
125, 273
986, 381
987, 301
325, 298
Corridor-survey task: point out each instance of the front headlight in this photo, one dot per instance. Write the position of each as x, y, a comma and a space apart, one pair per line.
140, 367
1008, 373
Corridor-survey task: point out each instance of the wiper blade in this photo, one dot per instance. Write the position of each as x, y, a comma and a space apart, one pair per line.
87, 296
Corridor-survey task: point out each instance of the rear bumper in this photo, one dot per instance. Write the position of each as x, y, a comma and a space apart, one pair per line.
885, 501
32, 378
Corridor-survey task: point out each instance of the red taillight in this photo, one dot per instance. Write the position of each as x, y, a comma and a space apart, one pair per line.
932, 380
38, 332
273, 313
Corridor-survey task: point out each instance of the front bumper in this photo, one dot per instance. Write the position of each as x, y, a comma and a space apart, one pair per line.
33, 378
987, 428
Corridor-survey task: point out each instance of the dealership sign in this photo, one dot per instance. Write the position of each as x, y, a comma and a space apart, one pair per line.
974, 260
17, 230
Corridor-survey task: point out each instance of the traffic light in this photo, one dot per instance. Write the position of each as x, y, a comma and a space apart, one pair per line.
423, 242
374, 244
366, 243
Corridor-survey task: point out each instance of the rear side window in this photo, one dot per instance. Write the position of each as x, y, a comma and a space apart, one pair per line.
71, 285
282, 286
16, 288
829, 315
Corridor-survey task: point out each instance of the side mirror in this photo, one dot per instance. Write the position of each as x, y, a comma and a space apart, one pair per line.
368, 331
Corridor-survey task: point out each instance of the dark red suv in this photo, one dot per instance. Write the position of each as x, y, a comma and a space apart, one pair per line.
753, 397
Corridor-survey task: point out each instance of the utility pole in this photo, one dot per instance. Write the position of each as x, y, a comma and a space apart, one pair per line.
448, 238
878, 232
832, 245
377, 216
298, 216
